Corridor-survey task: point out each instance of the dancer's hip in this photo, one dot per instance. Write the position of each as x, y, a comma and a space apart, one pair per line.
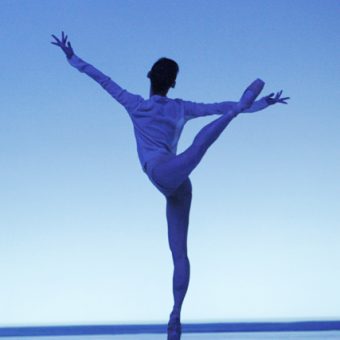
149, 169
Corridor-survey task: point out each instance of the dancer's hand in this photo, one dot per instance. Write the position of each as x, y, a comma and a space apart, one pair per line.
68, 50
277, 99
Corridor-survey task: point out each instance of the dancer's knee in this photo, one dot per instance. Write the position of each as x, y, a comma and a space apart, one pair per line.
180, 257
179, 251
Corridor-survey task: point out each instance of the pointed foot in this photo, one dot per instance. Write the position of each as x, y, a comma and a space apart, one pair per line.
250, 94
174, 329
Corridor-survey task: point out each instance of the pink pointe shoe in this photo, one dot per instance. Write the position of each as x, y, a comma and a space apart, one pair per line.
250, 94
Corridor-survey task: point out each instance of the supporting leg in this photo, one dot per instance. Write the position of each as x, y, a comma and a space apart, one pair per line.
177, 212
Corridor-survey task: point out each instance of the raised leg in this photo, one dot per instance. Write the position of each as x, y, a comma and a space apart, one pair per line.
177, 212
173, 170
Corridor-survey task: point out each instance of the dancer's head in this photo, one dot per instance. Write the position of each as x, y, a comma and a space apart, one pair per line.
163, 75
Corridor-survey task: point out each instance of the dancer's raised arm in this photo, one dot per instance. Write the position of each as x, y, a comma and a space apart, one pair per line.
127, 99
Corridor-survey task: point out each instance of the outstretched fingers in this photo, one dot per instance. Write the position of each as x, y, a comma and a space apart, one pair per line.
55, 37
278, 95
55, 43
61, 42
271, 99
283, 100
64, 38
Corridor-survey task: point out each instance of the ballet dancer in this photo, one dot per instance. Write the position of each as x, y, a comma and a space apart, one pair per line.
158, 122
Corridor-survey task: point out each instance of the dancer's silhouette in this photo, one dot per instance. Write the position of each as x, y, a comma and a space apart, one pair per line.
158, 123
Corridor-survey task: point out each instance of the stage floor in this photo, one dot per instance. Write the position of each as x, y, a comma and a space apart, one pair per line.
311, 335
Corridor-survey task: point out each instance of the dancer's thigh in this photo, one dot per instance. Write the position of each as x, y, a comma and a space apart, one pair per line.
177, 213
168, 172
156, 171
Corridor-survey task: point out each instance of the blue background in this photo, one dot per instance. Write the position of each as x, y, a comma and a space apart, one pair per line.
83, 235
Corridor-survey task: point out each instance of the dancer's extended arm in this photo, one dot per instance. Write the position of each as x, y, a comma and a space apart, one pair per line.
127, 99
194, 110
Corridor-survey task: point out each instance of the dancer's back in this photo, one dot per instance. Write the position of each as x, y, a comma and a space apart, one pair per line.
158, 121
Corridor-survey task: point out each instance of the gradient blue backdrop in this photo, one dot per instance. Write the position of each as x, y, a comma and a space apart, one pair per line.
83, 232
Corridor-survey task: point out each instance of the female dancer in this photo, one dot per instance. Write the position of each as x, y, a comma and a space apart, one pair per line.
158, 123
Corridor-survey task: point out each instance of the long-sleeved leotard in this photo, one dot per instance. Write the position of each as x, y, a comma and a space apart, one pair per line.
158, 121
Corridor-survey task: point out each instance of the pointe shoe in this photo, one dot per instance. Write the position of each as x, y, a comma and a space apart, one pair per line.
174, 329
250, 94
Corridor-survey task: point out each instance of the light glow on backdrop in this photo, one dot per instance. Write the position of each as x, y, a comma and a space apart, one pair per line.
83, 234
